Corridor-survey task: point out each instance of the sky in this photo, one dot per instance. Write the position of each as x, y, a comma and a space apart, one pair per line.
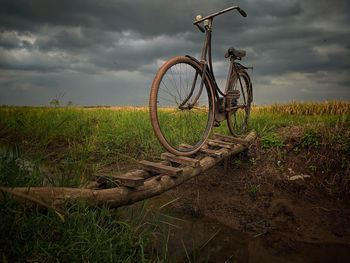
107, 52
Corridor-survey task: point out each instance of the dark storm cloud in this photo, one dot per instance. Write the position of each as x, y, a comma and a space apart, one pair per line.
118, 45
105, 15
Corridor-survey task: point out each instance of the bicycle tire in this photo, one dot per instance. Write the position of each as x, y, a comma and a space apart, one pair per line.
237, 120
171, 124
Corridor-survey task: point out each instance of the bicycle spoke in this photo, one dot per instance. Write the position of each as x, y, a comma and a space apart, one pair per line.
239, 114
242, 90
168, 91
190, 124
167, 100
177, 90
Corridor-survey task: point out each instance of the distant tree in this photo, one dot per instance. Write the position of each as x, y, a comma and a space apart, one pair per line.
55, 102
70, 103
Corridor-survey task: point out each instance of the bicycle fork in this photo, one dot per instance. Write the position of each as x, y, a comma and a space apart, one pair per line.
204, 65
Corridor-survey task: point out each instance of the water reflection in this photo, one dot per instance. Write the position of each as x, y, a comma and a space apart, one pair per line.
207, 241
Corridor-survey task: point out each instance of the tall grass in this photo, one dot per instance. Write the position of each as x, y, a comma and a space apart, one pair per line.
306, 108
85, 235
100, 129
76, 142
104, 136
74, 137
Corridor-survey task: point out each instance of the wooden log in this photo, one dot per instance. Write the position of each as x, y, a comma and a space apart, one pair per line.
137, 173
180, 159
161, 168
119, 196
230, 139
130, 179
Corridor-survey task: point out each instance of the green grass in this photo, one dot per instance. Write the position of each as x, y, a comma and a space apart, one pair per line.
85, 235
76, 137
271, 140
125, 133
76, 143
265, 122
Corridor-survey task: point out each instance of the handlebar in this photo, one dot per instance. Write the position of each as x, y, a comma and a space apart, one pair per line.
196, 22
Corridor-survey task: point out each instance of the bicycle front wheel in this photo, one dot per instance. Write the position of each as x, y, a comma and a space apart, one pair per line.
181, 112
237, 117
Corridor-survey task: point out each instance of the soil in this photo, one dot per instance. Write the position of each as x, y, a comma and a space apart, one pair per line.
254, 192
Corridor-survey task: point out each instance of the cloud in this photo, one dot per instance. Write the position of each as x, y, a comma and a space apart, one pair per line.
301, 86
87, 46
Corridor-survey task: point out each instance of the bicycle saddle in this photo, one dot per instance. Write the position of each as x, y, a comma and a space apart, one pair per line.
235, 52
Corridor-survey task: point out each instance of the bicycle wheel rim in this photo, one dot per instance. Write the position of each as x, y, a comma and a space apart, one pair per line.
174, 126
238, 119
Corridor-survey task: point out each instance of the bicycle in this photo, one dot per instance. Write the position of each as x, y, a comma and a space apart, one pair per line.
185, 100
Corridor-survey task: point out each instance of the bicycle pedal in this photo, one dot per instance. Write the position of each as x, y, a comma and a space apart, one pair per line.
216, 124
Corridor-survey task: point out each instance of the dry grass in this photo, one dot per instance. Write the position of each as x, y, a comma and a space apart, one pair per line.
306, 108
295, 108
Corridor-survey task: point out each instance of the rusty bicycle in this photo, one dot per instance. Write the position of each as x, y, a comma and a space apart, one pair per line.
186, 102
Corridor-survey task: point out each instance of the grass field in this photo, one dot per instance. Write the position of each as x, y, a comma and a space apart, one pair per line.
76, 143
119, 135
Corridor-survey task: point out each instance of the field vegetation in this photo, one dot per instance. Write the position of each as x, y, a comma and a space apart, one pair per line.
307, 108
68, 146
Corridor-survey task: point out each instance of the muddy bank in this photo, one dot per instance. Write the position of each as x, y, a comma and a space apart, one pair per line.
199, 238
265, 209
293, 198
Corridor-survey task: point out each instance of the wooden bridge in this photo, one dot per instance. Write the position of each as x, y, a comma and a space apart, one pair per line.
153, 178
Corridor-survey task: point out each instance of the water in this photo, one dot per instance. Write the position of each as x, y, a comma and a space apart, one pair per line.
220, 243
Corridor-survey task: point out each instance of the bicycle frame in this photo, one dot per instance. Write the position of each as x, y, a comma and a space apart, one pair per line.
207, 69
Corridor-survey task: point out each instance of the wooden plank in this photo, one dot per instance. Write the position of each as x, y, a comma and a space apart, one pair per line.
160, 168
180, 159
226, 146
184, 146
230, 139
221, 142
128, 181
204, 149
214, 144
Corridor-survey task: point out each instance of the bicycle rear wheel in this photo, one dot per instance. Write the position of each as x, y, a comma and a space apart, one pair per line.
237, 118
180, 113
